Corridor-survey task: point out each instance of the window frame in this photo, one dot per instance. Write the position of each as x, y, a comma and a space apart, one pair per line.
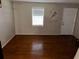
38, 8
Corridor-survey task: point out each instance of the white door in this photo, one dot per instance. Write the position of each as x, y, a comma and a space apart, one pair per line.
68, 22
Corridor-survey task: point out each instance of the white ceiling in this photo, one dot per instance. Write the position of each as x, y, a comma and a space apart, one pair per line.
52, 1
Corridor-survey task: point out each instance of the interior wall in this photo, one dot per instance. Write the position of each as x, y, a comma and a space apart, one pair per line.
76, 28
7, 29
23, 19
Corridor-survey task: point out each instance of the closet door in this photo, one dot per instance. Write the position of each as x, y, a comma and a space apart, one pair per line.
68, 22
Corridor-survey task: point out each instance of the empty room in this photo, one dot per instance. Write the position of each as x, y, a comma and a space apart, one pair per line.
39, 29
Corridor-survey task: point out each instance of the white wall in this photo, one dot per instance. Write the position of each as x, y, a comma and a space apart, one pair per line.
7, 30
76, 28
77, 54
23, 19
54, 1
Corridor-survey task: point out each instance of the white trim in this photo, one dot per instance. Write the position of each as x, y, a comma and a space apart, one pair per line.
76, 36
7, 42
38, 34
75, 19
34, 34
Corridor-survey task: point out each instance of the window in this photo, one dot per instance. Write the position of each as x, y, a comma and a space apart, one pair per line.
37, 16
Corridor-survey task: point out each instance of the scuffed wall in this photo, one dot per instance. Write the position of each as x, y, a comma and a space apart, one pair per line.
23, 19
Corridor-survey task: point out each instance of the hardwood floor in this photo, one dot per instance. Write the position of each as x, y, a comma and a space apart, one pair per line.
40, 47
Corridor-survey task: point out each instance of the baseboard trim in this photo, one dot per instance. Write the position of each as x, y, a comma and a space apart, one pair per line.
42, 34
76, 37
8, 41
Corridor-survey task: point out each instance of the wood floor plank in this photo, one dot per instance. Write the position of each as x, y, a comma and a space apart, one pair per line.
40, 47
